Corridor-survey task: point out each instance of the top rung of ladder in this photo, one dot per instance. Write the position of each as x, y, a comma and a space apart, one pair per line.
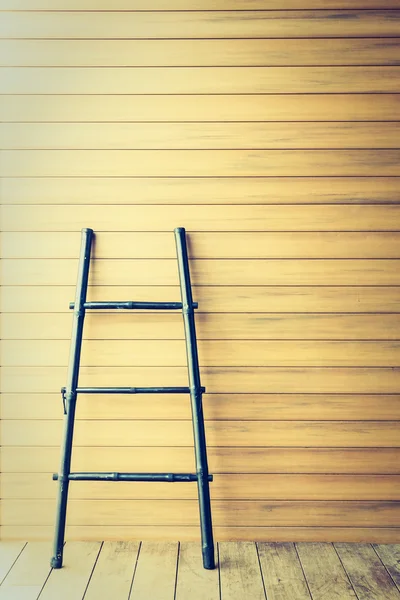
133, 305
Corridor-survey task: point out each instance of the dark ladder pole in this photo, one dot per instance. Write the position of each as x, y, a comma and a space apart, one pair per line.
70, 395
207, 542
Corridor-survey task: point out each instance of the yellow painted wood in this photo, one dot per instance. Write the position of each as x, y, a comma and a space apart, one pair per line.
9, 553
216, 299
261, 353
71, 581
231, 23
225, 380
155, 573
225, 513
157, 5
234, 486
240, 573
199, 80
312, 407
175, 108
366, 572
256, 245
245, 218
190, 533
325, 574
20, 459
28, 574
219, 433
186, 191
199, 53
282, 573
113, 572
199, 163
209, 326
191, 578
204, 136
212, 272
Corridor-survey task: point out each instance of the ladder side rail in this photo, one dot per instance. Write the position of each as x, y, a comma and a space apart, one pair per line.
196, 400
70, 396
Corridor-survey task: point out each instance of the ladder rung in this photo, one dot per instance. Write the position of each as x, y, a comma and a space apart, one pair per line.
133, 305
168, 477
135, 390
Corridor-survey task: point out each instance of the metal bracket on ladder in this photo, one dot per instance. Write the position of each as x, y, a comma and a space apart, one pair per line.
71, 392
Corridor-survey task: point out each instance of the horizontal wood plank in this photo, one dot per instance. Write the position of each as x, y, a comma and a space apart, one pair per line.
215, 353
225, 513
288, 272
193, 5
204, 136
232, 487
200, 163
233, 459
222, 299
203, 245
199, 53
205, 23
211, 108
379, 535
245, 326
199, 80
219, 433
223, 380
239, 407
201, 218
187, 191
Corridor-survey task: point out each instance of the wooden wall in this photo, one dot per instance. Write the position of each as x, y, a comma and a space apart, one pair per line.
273, 137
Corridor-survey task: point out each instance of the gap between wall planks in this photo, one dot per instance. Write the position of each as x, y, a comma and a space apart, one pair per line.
286, 167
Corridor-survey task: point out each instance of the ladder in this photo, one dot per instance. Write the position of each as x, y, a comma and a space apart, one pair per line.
71, 391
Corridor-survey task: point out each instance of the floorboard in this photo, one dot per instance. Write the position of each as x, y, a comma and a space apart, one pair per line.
132, 570
369, 577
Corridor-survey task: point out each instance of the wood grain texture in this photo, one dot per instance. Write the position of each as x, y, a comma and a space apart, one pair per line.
113, 573
199, 53
225, 486
390, 555
175, 108
253, 326
71, 581
188, 191
225, 513
366, 572
199, 80
221, 380
203, 136
29, 573
240, 572
205, 245
286, 272
200, 163
193, 5
205, 23
192, 580
202, 218
324, 572
239, 407
192, 533
215, 299
361, 434
155, 573
282, 573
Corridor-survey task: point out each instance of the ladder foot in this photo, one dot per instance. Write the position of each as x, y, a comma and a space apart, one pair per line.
208, 558
56, 562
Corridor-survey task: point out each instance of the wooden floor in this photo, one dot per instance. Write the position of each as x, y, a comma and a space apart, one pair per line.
168, 571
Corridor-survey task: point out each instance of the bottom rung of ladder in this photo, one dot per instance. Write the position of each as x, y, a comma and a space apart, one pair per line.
169, 477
